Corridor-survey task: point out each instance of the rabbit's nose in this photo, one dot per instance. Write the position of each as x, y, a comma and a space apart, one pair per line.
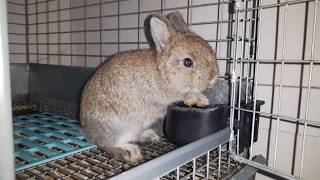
213, 80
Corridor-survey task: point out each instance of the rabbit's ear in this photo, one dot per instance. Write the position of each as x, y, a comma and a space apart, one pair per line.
177, 21
160, 32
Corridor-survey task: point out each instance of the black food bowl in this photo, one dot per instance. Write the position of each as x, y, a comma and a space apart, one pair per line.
184, 124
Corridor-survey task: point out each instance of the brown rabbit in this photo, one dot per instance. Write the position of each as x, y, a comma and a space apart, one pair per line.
132, 90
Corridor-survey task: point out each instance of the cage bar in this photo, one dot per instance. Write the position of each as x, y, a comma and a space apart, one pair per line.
6, 137
314, 27
194, 169
265, 168
281, 82
293, 2
208, 165
233, 75
256, 73
162, 165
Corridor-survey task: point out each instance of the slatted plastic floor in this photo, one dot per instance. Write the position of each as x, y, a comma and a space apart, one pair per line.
43, 137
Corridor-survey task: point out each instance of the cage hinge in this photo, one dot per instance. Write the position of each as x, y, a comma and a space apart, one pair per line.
231, 8
236, 124
252, 50
237, 4
233, 77
234, 6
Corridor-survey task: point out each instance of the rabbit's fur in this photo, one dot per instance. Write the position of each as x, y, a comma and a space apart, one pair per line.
131, 91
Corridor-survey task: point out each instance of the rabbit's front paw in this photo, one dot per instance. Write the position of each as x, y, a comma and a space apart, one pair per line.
190, 101
202, 101
196, 99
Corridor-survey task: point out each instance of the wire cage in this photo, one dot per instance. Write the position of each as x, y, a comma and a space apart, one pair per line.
266, 50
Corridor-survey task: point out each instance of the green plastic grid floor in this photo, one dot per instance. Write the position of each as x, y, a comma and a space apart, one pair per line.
43, 137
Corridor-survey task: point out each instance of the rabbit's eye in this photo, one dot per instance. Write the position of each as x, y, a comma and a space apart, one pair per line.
187, 62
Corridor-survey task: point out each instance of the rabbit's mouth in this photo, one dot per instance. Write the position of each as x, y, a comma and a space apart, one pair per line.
213, 81
201, 78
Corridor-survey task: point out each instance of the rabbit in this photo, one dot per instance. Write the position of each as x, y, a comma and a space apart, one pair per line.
131, 91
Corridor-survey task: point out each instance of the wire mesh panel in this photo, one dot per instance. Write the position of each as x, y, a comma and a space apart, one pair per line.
85, 33
17, 31
95, 163
211, 165
282, 70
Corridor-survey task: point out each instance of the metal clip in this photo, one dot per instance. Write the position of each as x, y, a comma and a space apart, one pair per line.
237, 5
236, 124
233, 77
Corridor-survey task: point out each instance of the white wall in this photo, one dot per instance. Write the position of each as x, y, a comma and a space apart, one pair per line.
80, 38
17, 31
290, 92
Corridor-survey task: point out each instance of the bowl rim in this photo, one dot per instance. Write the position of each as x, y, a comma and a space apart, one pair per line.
211, 107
